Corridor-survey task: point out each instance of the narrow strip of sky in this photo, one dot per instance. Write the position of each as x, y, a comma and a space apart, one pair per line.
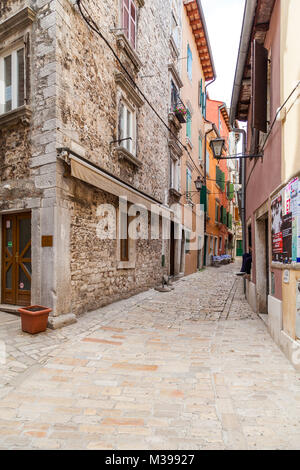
224, 20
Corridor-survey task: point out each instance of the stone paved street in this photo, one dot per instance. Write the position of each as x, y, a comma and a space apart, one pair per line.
189, 369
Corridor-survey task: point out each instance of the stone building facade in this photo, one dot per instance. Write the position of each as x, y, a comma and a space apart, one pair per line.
77, 134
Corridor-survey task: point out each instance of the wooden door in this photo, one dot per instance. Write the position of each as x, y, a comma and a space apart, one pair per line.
16, 259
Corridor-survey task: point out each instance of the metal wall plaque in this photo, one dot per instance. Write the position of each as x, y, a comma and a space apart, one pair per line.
47, 240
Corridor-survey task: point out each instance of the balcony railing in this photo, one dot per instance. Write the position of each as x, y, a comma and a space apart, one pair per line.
178, 108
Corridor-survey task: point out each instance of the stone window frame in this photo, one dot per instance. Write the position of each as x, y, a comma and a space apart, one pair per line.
131, 263
14, 31
12, 52
123, 42
130, 98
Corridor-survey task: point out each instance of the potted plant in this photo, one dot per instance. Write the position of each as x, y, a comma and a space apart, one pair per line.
180, 113
34, 318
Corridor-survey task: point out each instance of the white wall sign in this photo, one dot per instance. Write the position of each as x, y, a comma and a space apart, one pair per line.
286, 276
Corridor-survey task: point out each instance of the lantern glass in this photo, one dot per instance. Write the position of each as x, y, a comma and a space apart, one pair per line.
198, 183
217, 146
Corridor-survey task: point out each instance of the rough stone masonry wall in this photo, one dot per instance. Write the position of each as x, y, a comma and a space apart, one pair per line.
95, 277
87, 93
27, 151
87, 114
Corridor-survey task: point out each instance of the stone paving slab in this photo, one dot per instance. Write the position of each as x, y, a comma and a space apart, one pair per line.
194, 368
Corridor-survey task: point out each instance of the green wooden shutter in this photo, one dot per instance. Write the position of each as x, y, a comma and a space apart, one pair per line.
203, 197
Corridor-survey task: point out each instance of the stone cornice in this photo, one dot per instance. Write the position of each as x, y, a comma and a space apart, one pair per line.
20, 115
175, 148
17, 22
123, 154
174, 72
122, 81
124, 44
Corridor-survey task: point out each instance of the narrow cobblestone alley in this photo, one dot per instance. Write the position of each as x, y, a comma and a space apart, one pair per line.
189, 369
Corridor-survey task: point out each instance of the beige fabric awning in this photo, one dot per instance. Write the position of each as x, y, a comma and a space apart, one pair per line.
85, 172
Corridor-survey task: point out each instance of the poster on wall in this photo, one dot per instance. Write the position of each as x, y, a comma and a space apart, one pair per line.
277, 240
294, 189
298, 224
287, 236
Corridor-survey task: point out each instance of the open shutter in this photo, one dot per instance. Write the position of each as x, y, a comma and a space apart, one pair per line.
259, 86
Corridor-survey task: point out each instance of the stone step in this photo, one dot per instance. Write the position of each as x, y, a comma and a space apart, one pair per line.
10, 309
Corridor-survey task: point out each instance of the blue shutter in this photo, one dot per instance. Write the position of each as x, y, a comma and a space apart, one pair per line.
200, 94
204, 105
189, 62
188, 125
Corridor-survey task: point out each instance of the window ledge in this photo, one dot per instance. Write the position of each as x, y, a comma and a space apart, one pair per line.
173, 119
126, 265
172, 68
124, 154
17, 22
175, 148
19, 115
124, 44
174, 46
175, 192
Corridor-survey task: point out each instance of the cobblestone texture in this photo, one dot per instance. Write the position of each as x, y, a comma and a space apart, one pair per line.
191, 369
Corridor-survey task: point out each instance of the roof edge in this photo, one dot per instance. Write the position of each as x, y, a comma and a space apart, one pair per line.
249, 16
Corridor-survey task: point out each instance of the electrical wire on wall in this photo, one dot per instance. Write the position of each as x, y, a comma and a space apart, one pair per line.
91, 23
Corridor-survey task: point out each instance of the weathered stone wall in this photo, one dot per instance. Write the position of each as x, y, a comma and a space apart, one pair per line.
87, 93
26, 148
87, 106
95, 277
15, 151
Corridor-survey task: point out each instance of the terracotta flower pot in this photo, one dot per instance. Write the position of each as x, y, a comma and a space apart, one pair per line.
34, 318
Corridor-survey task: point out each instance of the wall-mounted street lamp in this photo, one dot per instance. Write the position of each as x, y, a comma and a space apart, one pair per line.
218, 146
199, 183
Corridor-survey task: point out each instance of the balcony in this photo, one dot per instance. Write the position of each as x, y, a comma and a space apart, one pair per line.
180, 111
177, 106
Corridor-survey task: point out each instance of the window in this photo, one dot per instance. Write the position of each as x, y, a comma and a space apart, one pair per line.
174, 174
189, 124
174, 96
127, 128
188, 183
220, 244
175, 29
200, 148
129, 21
12, 76
189, 63
207, 162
